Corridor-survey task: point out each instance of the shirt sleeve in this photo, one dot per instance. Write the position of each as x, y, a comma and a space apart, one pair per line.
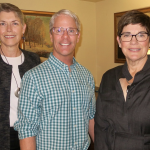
29, 108
93, 100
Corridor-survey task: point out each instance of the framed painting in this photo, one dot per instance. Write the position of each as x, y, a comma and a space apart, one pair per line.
36, 38
119, 56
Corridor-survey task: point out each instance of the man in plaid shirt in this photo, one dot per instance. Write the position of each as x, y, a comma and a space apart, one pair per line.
57, 99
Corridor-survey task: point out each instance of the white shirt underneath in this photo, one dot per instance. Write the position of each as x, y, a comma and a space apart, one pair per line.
14, 61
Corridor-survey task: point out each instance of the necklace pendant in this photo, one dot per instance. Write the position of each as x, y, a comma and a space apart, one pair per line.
17, 92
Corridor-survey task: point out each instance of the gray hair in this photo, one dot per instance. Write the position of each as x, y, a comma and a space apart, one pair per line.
64, 12
7, 7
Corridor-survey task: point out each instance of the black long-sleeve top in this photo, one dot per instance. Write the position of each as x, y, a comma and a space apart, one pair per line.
120, 124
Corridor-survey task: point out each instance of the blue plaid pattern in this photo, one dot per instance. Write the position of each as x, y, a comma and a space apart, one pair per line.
56, 105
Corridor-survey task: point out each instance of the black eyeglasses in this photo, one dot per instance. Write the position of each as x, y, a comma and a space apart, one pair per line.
61, 30
141, 36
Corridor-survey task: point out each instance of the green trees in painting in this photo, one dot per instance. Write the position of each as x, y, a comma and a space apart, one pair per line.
37, 38
35, 32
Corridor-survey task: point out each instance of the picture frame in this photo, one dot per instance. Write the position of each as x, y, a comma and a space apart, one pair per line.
37, 38
119, 56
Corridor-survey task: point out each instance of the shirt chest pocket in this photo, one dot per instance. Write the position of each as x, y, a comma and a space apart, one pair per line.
109, 104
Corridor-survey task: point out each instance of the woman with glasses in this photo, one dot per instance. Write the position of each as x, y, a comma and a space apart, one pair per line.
14, 62
122, 120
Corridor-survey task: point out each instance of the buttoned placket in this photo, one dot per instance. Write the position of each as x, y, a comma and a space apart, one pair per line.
73, 105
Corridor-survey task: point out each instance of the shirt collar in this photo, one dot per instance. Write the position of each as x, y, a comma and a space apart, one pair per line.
59, 64
125, 72
147, 64
139, 75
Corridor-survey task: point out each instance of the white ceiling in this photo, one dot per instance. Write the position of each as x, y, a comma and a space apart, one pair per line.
92, 0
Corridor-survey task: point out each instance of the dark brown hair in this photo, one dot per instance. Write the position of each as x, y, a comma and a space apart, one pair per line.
134, 17
7, 7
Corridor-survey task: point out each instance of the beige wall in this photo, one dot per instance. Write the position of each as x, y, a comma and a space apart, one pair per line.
105, 30
95, 50
86, 49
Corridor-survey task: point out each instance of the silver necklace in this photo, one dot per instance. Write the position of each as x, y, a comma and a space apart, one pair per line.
17, 92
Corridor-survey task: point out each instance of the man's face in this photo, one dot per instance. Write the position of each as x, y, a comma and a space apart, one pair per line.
64, 45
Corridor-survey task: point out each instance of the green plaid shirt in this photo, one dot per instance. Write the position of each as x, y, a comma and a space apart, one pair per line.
56, 105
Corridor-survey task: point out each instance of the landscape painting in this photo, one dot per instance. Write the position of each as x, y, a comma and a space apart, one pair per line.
37, 38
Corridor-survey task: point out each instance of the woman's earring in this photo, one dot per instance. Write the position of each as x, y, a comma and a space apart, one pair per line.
23, 38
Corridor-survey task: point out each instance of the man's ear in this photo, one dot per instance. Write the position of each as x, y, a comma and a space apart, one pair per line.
78, 37
119, 42
51, 37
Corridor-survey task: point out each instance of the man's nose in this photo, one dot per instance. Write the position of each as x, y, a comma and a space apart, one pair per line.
65, 33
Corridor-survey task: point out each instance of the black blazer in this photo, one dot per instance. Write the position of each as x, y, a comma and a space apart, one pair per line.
30, 61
